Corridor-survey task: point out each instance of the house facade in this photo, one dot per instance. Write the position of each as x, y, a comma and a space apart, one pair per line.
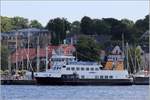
22, 37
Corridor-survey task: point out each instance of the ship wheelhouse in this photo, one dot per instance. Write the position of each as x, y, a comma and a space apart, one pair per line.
62, 58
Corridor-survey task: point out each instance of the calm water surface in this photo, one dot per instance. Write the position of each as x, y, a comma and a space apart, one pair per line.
15, 92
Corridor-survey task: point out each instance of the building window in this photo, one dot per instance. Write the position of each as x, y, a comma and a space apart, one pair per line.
101, 77
68, 68
110, 77
87, 69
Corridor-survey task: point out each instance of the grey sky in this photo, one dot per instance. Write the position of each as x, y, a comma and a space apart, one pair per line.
43, 11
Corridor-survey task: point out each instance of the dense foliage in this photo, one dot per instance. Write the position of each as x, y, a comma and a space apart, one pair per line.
8, 24
87, 49
35, 24
59, 27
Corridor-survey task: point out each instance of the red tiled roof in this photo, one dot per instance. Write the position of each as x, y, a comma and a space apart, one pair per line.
22, 53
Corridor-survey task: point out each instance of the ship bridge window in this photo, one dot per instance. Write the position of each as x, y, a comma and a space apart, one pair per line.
58, 67
96, 69
70, 59
87, 69
82, 68
110, 77
77, 68
92, 69
64, 66
72, 68
68, 68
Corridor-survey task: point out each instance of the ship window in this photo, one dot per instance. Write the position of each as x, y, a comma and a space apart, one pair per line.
82, 68
101, 77
58, 68
68, 68
110, 77
72, 68
96, 69
87, 69
92, 69
82, 76
77, 68
106, 77
96, 77
64, 66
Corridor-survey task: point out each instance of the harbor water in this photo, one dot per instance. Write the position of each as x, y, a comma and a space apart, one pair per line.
34, 92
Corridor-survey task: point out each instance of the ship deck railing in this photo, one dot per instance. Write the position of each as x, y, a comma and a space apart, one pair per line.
83, 63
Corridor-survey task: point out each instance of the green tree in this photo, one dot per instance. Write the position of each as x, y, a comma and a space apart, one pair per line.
87, 49
86, 25
127, 22
101, 27
59, 28
75, 27
141, 26
35, 24
6, 24
19, 22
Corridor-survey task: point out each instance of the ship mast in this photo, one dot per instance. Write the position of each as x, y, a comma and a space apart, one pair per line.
22, 61
9, 60
28, 50
135, 70
127, 56
46, 58
123, 49
16, 51
9, 64
38, 61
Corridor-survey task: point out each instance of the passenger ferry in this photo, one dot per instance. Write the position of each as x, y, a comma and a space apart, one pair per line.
66, 70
